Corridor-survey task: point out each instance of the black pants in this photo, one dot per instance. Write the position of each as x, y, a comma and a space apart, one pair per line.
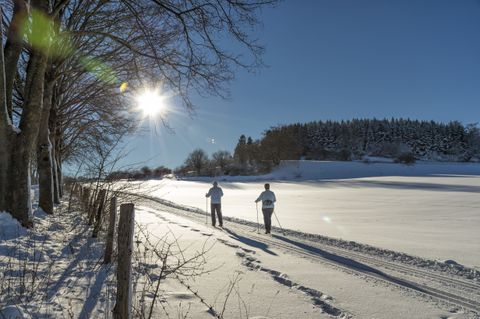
216, 208
267, 219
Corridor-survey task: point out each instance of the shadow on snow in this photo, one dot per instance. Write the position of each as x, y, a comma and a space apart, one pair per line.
350, 263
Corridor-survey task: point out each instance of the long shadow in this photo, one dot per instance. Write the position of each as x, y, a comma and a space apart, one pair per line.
350, 263
250, 242
71, 268
94, 293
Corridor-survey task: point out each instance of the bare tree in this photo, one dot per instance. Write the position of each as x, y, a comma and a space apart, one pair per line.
222, 159
93, 46
197, 160
19, 142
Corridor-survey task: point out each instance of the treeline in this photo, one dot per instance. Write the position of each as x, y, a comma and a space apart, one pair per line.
248, 159
403, 140
355, 139
198, 163
142, 173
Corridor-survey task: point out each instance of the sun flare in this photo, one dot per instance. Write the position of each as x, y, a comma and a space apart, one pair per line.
151, 103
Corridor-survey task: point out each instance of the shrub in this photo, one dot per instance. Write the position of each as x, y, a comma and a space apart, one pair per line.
405, 158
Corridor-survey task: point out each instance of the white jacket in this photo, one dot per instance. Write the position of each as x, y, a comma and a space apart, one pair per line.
268, 199
216, 193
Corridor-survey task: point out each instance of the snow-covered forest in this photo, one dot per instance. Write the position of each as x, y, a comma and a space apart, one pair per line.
353, 139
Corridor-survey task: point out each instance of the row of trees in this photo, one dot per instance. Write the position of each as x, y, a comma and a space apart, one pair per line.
401, 139
143, 173
247, 159
63, 61
199, 163
347, 140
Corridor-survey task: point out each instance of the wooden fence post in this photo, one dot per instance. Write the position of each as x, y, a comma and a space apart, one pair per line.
99, 213
123, 303
86, 199
111, 231
93, 207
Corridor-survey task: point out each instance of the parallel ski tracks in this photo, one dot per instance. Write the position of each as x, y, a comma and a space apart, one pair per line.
310, 247
393, 266
400, 282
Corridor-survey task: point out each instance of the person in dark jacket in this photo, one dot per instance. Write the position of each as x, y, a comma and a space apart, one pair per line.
268, 204
216, 194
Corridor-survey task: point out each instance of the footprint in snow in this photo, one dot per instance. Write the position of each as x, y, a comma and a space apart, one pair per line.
229, 244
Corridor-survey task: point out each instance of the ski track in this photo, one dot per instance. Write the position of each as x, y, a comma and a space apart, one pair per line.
452, 289
318, 298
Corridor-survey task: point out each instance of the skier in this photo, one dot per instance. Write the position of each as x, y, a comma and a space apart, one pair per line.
215, 203
268, 199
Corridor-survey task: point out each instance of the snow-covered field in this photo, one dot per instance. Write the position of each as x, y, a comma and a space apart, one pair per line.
428, 209
55, 269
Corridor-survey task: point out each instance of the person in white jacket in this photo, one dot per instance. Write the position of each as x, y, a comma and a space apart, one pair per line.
216, 194
268, 204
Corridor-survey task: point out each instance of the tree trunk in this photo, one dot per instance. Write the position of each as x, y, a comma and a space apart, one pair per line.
13, 48
20, 204
44, 150
53, 139
19, 188
4, 161
58, 166
5, 129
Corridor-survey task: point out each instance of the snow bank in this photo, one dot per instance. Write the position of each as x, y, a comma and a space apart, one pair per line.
10, 228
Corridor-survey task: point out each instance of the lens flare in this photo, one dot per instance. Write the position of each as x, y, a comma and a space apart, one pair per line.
123, 87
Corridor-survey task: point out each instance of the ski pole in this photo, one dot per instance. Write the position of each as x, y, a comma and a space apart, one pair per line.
258, 224
283, 231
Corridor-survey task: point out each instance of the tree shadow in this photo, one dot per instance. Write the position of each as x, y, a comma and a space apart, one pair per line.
350, 263
72, 270
250, 242
95, 291
410, 186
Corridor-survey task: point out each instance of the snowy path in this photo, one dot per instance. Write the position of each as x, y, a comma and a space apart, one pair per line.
389, 288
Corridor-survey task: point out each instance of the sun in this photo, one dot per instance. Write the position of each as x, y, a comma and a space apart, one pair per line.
151, 103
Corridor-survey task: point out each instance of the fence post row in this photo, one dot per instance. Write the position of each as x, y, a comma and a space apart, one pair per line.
123, 303
111, 231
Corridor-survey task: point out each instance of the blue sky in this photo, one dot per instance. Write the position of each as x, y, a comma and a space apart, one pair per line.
337, 59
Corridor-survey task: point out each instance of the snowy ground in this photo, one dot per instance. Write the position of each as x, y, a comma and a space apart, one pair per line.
286, 276
52, 271
55, 270
229, 273
429, 210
